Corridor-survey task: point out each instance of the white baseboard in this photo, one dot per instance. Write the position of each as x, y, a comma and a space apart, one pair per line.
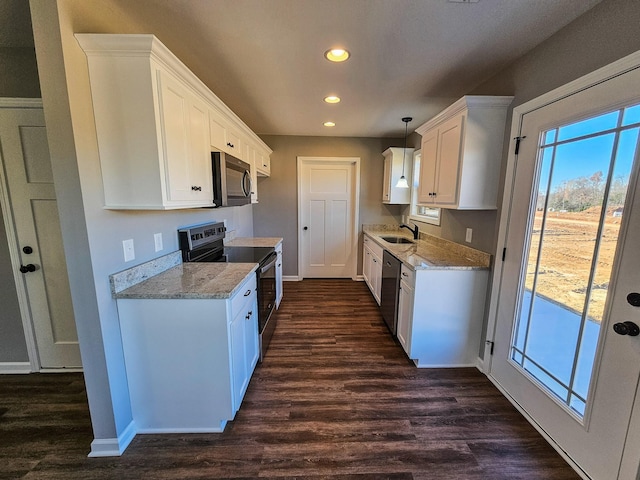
360, 278
480, 365
291, 278
113, 447
15, 368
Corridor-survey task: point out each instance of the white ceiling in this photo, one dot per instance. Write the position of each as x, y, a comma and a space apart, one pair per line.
264, 58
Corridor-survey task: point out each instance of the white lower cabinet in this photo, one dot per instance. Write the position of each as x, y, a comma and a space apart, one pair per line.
440, 316
405, 307
279, 291
372, 266
189, 361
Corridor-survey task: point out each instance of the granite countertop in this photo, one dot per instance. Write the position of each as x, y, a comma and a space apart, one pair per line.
429, 252
255, 242
192, 280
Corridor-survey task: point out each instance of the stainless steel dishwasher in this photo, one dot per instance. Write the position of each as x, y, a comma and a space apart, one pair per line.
390, 290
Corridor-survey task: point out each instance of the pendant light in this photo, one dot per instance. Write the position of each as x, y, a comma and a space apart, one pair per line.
402, 182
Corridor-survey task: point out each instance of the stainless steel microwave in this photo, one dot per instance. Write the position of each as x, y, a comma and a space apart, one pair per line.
231, 180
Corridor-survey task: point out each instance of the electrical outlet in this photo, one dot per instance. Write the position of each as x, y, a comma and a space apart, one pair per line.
129, 253
157, 238
469, 235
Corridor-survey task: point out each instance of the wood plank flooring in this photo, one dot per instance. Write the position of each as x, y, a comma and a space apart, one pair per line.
335, 398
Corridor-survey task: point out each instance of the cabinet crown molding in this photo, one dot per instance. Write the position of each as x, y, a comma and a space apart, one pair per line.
148, 45
466, 102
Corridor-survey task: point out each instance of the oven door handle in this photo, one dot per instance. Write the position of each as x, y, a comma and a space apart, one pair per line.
271, 262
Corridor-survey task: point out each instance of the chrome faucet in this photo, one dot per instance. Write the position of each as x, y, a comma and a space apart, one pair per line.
414, 231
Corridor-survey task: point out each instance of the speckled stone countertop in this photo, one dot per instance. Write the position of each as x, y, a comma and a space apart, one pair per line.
193, 280
255, 242
428, 252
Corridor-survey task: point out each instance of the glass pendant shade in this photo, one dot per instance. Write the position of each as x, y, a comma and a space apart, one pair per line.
402, 182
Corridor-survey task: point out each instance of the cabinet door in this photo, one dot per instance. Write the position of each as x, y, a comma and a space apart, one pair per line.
376, 276
238, 359
187, 161
200, 154
263, 163
174, 104
426, 184
405, 314
217, 131
233, 144
279, 276
250, 158
448, 165
386, 182
251, 342
366, 266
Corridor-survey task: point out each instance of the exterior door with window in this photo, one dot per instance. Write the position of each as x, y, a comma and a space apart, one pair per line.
571, 261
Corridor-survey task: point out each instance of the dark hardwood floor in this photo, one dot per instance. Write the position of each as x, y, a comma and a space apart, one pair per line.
336, 397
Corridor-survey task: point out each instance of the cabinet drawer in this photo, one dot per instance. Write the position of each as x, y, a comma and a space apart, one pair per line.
245, 294
407, 275
373, 246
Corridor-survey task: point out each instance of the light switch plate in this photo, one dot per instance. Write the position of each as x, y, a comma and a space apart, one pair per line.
157, 239
469, 235
129, 253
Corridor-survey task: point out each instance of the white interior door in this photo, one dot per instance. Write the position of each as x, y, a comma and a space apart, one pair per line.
571, 261
327, 216
31, 213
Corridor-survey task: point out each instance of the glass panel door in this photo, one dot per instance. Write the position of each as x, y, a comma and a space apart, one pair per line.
582, 179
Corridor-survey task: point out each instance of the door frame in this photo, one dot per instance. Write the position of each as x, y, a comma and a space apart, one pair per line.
9, 224
355, 198
630, 460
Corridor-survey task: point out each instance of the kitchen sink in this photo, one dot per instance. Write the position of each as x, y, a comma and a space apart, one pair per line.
393, 239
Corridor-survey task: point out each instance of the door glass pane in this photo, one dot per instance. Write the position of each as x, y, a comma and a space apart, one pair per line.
573, 233
589, 126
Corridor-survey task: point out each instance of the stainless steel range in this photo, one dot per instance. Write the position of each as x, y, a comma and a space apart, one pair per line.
205, 243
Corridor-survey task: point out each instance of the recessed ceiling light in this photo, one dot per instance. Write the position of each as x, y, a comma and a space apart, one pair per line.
337, 55
329, 124
332, 99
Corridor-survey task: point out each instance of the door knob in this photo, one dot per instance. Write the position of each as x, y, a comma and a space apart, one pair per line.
306, 228
626, 328
27, 268
27, 249
634, 299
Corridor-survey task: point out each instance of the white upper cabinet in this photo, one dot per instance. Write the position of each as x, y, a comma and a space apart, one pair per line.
397, 162
461, 154
186, 146
223, 137
156, 124
263, 163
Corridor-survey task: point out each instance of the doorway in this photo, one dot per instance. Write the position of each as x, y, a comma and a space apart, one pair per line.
30, 214
328, 192
569, 227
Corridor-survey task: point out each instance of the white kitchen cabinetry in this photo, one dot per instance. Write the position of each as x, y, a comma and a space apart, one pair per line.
249, 157
405, 307
397, 163
187, 156
279, 291
440, 315
263, 163
372, 266
461, 154
189, 361
222, 136
156, 124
